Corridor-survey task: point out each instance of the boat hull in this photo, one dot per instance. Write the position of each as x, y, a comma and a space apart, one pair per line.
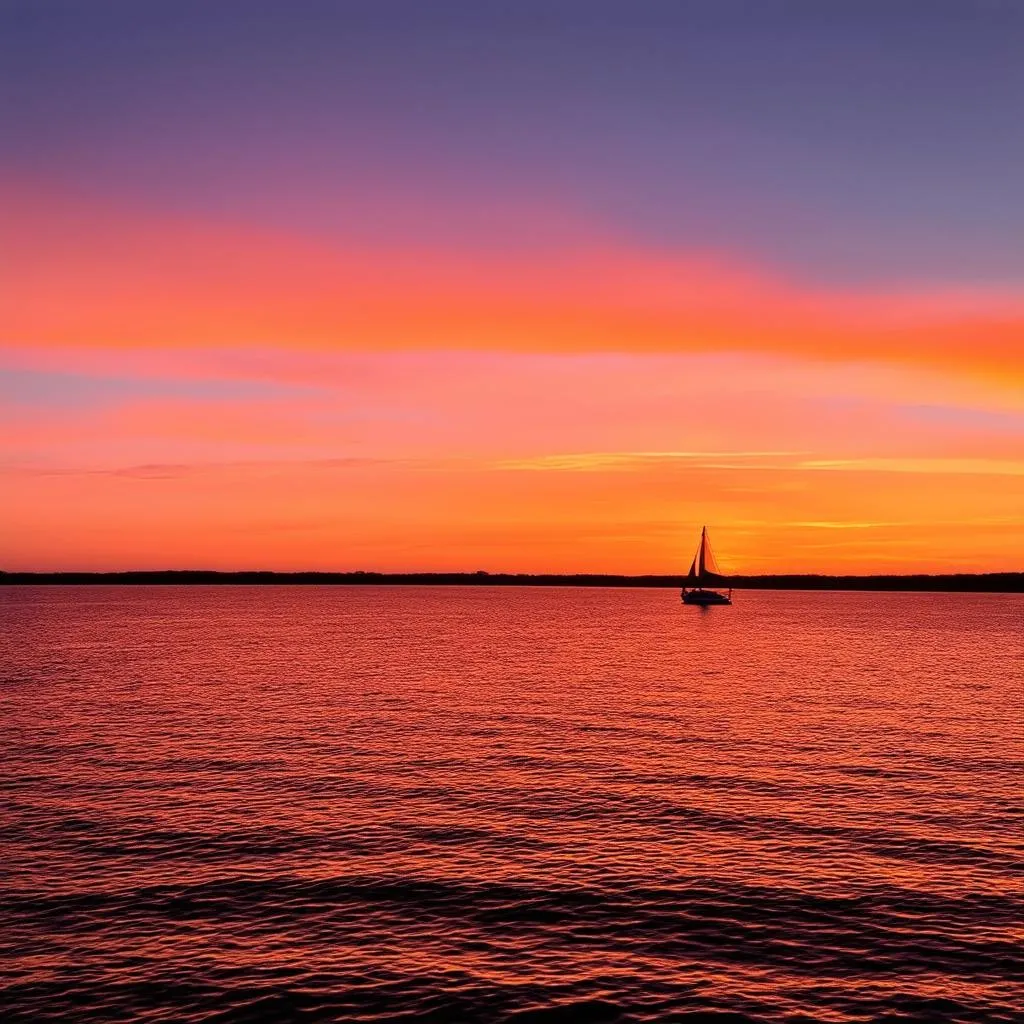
705, 597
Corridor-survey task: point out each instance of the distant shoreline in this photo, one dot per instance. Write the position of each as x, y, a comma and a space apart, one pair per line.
996, 582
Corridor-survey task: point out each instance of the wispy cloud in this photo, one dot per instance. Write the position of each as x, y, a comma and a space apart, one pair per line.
586, 462
929, 466
179, 471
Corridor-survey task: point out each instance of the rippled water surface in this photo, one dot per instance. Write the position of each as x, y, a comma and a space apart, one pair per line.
524, 804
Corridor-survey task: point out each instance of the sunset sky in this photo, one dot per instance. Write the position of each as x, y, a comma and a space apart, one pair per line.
538, 286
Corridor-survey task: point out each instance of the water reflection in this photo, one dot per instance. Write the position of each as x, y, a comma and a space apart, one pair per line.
471, 803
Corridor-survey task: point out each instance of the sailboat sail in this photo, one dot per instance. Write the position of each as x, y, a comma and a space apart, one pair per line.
709, 565
704, 568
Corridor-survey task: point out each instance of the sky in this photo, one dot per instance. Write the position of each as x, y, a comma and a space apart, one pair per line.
525, 287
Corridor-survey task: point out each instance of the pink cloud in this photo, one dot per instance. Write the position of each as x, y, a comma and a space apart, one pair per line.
80, 274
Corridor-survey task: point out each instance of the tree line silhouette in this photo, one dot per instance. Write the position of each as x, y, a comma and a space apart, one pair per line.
995, 582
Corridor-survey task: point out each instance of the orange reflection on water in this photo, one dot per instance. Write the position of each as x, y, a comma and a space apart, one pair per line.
489, 799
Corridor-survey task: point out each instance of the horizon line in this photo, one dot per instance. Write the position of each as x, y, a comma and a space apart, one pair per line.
1007, 582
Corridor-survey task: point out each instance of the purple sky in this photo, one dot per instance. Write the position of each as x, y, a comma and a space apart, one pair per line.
844, 141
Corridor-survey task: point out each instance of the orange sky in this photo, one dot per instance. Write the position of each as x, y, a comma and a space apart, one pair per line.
198, 393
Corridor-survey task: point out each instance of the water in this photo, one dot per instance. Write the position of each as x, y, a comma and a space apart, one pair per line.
485, 804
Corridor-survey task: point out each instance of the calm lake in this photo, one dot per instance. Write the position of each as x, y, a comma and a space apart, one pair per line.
525, 804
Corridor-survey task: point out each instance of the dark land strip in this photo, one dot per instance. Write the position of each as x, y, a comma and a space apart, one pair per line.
996, 582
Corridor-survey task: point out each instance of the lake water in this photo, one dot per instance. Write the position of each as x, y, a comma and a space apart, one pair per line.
523, 804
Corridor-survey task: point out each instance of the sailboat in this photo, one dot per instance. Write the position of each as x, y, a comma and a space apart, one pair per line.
704, 583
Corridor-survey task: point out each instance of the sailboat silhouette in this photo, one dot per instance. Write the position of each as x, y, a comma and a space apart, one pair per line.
703, 576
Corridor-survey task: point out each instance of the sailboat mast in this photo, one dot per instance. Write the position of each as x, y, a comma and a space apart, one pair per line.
703, 545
